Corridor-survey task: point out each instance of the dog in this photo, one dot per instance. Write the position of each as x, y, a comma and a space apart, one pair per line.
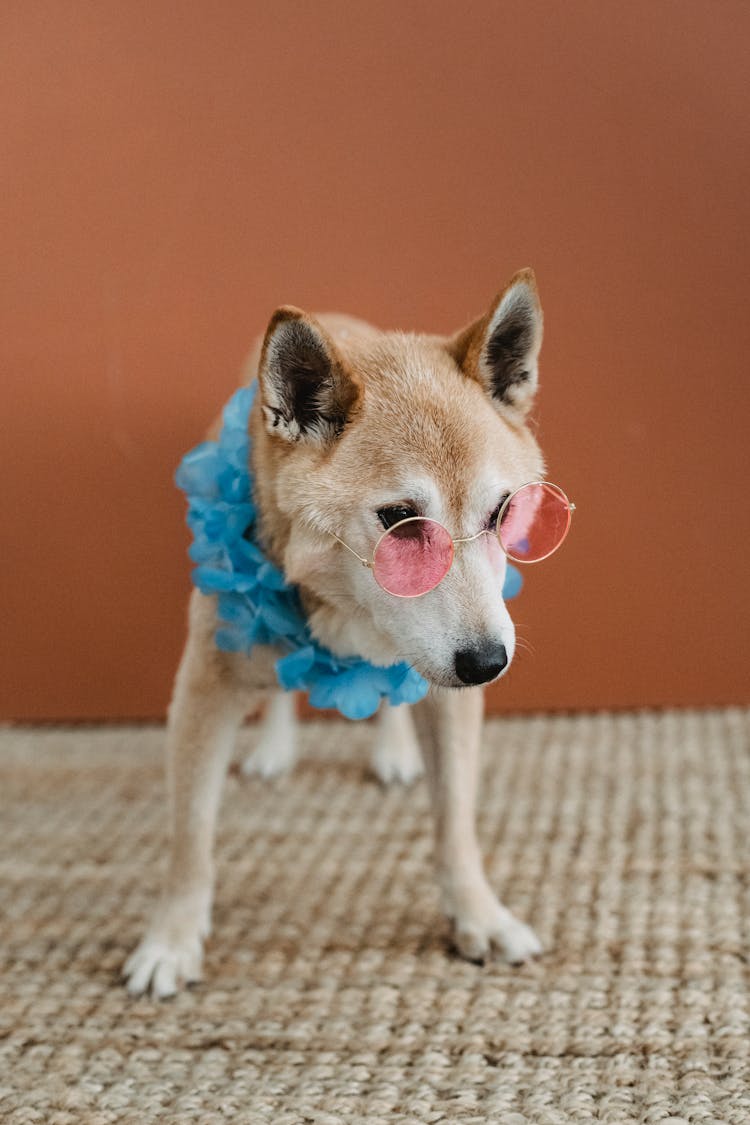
353, 428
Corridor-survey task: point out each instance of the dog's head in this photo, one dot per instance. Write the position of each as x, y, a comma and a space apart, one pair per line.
355, 428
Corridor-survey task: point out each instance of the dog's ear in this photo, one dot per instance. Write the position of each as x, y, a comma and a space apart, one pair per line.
306, 392
501, 349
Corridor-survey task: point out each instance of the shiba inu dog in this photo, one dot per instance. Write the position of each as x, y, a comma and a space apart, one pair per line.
357, 431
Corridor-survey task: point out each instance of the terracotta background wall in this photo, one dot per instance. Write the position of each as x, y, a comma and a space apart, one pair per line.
172, 172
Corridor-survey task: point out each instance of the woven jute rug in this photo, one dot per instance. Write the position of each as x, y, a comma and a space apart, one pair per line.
331, 993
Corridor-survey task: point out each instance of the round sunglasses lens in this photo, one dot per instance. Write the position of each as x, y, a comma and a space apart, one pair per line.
412, 557
535, 522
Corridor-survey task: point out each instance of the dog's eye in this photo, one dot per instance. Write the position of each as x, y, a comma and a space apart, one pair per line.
395, 514
496, 514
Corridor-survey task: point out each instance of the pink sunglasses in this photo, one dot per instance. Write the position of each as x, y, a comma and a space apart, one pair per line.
413, 557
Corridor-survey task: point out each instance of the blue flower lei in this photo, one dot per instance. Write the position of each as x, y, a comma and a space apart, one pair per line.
256, 604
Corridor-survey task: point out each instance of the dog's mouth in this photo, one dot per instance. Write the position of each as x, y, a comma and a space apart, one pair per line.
469, 677
444, 681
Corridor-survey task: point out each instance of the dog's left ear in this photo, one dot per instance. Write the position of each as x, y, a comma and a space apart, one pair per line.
307, 393
501, 349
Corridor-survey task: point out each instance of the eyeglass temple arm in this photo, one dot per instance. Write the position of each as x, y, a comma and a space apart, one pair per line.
364, 562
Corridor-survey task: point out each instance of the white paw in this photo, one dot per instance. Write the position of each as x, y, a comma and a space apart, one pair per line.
396, 756
517, 941
482, 925
276, 751
162, 967
268, 760
171, 952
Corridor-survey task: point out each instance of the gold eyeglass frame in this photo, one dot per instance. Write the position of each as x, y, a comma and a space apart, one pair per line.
370, 563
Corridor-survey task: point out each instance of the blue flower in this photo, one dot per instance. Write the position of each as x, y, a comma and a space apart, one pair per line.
256, 606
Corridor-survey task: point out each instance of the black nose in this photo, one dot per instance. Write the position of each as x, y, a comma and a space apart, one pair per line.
480, 665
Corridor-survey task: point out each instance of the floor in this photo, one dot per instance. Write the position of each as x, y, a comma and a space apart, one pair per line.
331, 994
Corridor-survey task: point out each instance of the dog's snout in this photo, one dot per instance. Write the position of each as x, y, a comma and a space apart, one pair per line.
480, 665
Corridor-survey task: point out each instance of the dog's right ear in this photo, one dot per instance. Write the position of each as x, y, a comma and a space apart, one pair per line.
306, 392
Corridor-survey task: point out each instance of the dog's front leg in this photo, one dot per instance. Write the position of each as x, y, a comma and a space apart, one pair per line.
206, 710
449, 725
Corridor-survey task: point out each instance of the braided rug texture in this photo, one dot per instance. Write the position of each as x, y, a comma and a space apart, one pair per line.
331, 995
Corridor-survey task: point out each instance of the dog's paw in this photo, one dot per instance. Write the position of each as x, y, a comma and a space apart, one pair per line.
171, 953
482, 925
276, 751
396, 756
393, 762
162, 967
269, 760
476, 940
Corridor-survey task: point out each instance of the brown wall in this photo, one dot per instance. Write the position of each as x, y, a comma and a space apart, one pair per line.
172, 172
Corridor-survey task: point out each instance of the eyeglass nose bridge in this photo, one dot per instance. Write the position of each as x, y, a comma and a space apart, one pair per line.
471, 538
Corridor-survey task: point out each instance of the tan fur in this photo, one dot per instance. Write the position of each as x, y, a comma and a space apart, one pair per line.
418, 426
466, 346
